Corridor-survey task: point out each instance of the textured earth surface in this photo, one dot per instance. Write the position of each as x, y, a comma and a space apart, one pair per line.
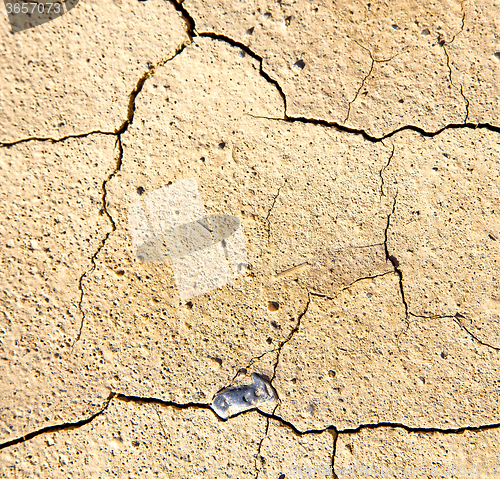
356, 147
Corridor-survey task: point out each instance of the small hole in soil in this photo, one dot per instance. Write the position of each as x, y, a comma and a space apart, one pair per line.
300, 64
273, 306
217, 360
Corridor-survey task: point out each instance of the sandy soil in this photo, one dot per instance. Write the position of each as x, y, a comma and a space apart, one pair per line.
351, 153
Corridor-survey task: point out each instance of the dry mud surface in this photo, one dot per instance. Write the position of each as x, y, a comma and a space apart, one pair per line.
356, 147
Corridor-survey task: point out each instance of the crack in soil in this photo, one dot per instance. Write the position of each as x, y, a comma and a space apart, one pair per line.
373, 61
393, 260
258, 456
124, 127
276, 350
457, 318
290, 336
255, 56
270, 416
444, 44
375, 139
8, 144
191, 32
345, 288
249, 365
270, 211
381, 172
334, 451
58, 427
461, 89
93, 259
160, 421
188, 19
118, 134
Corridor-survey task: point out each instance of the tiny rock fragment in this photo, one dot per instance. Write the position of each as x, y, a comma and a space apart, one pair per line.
294, 270
232, 401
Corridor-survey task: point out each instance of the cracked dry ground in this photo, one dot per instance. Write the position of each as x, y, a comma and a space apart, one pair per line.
359, 140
